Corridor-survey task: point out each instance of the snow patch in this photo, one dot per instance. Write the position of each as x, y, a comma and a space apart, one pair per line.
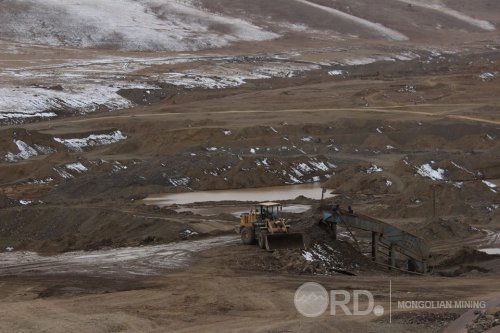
77, 167
25, 152
29, 102
222, 77
304, 167
88, 85
92, 140
462, 168
127, 24
63, 173
492, 207
492, 186
374, 168
117, 166
190, 80
482, 24
326, 256
491, 251
180, 181
382, 30
294, 180
188, 234
408, 88
319, 165
42, 181
407, 56
338, 72
308, 256
359, 61
426, 170
487, 76
20, 116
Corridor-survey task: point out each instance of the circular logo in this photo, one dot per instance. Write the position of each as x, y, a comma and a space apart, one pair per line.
378, 310
311, 299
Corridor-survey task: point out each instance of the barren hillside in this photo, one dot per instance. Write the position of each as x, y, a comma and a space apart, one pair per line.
119, 119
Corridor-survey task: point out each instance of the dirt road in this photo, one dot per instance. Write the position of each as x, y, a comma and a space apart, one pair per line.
213, 291
146, 260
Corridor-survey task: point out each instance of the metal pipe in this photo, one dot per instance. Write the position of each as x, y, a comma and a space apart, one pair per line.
374, 245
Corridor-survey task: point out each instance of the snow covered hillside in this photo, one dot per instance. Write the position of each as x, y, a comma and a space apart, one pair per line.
171, 25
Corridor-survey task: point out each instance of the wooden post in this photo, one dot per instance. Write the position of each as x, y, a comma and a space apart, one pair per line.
392, 256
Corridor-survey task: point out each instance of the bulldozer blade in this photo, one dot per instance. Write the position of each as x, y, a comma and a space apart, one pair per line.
284, 241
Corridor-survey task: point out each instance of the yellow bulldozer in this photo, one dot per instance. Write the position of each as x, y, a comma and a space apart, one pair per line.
265, 226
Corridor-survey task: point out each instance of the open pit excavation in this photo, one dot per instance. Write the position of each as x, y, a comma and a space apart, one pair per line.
250, 166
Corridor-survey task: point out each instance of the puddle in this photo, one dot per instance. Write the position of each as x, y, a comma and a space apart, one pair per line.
237, 210
143, 260
274, 193
494, 250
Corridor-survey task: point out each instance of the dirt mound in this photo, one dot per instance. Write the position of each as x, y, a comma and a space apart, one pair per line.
466, 255
452, 199
362, 177
445, 229
323, 258
17, 140
323, 255
86, 227
465, 260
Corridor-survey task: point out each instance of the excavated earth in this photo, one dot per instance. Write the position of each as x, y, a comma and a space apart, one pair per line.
404, 130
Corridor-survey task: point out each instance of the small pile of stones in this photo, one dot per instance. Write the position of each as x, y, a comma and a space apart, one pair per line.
485, 320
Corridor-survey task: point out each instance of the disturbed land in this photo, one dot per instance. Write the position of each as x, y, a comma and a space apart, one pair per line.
387, 106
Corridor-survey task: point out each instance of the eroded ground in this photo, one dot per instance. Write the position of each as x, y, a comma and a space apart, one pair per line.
381, 114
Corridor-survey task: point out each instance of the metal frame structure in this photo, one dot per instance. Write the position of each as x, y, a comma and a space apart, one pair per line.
385, 235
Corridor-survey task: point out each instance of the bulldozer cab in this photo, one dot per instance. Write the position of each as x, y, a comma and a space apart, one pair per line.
268, 211
264, 211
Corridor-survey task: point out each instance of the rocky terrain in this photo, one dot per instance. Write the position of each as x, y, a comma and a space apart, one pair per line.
390, 105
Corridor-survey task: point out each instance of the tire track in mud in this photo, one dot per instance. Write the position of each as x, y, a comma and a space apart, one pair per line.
146, 260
